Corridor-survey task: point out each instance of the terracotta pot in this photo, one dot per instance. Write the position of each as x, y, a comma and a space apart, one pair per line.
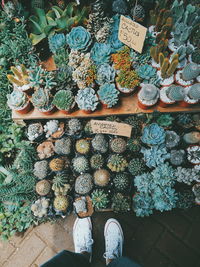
48, 112
66, 112
25, 109
184, 104
163, 104
142, 106
87, 111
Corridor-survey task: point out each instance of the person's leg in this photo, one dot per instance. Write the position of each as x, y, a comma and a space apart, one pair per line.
114, 240
82, 235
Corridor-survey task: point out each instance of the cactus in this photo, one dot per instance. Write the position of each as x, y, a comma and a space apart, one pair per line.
41, 169
121, 182
148, 92
167, 68
101, 177
117, 163
100, 199
40, 207
172, 139
60, 184
20, 78
175, 93
99, 143
196, 56
194, 91
96, 161
136, 166
120, 203
134, 144
190, 71
118, 145
83, 146
58, 164
159, 48
83, 184
61, 203
177, 157
80, 164
74, 126
63, 146
43, 187
34, 131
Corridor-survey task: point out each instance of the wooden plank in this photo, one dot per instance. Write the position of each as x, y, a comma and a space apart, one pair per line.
128, 106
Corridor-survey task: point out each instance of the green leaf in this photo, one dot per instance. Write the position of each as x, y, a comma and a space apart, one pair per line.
36, 26
69, 9
37, 38
58, 11
42, 17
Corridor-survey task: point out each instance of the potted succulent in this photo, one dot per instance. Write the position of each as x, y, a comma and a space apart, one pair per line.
64, 101
87, 99
192, 95
170, 95
42, 100
186, 76
105, 74
193, 154
108, 95
19, 102
127, 81
148, 96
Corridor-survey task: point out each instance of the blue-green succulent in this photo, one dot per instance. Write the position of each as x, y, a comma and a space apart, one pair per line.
105, 74
146, 72
57, 41
114, 42
79, 39
108, 94
143, 205
153, 134
100, 53
87, 99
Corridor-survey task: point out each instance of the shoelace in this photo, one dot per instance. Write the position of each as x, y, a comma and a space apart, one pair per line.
112, 248
86, 246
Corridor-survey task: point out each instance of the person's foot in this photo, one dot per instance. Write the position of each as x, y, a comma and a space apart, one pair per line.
114, 240
82, 235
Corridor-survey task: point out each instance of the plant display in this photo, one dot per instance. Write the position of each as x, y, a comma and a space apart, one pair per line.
99, 143
40, 207
61, 203
100, 199
80, 164
136, 166
41, 169
43, 187
64, 100
63, 146
101, 177
121, 182
118, 145
117, 163
83, 184
86, 99
105, 74
96, 161
83, 146
120, 203
108, 94
153, 135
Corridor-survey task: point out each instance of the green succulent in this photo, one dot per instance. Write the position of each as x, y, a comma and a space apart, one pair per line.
64, 100
42, 99
118, 145
136, 166
96, 161
120, 203
121, 182
117, 163
134, 144
165, 120
135, 123
80, 164
100, 199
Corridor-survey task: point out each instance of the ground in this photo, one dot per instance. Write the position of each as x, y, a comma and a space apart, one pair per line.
170, 239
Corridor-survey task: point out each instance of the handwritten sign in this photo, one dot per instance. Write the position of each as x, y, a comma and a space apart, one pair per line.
132, 33
109, 127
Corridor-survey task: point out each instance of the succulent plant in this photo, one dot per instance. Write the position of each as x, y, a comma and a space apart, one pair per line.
63, 146
177, 157
59, 164
172, 139
96, 161
34, 131
64, 100
134, 144
83, 146
100, 199
153, 134
42, 99
61, 203
114, 41
196, 56
120, 203
136, 166
135, 123
83, 184
41, 169
40, 207
122, 59
101, 177
80, 164
193, 154
185, 200
80, 205
61, 184
120, 7
187, 175
167, 67
196, 191
43, 187
105, 74
146, 72
194, 91
108, 94
117, 163
138, 13
87, 99
41, 78
75, 58
74, 126
79, 39
128, 79
192, 137
51, 127
56, 42
148, 92
17, 100
20, 78
190, 71
142, 204
165, 120
175, 93
45, 150
121, 182
100, 53
118, 145
99, 143
185, 120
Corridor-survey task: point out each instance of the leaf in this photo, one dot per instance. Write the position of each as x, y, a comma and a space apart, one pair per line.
37, 38
58, 11
51, 21
69, 9
42, 17
36, 26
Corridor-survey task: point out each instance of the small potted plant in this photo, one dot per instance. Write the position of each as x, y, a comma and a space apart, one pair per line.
127, 81
108, 95
193, 154
170, 95
64, 101
19, 102
42, 100
87, 100
192, 95
148, 96
186, 76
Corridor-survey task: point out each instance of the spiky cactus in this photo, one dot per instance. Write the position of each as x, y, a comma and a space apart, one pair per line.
61, 184
117, 163
96, 161
80, 164
175, 93
136, 166
83, 146
120, 203
118, 145
100, 199
190, 71
194, 92
121, 182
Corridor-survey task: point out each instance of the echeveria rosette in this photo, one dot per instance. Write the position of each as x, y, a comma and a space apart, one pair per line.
56, 42
64, 100
42, 99
17, 99
100, 53
108, 94
146, 72
114, 42
87, 99
105, 74
153, 134
79, 39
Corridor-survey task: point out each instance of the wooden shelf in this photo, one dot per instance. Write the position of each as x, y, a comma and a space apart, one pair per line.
128, 106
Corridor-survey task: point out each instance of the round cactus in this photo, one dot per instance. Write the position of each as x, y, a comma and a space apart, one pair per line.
148, 92
61, 203
136, 166
41, 169
59, 164
63, 146
190, 71
100, 199
118, 145
74, 126
134, 144
101, 177
43, 187
117, 163
175, 93
99, 143
83, 184
121, 182
83, 146
80, 164
96, 161
194, 92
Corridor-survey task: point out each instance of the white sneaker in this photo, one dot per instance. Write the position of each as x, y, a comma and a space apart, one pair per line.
82, 235
114, 240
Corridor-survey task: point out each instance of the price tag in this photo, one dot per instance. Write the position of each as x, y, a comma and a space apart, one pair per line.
132, 33
109, 127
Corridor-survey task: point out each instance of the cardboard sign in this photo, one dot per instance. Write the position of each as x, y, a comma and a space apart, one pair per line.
109, 127
132, 34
